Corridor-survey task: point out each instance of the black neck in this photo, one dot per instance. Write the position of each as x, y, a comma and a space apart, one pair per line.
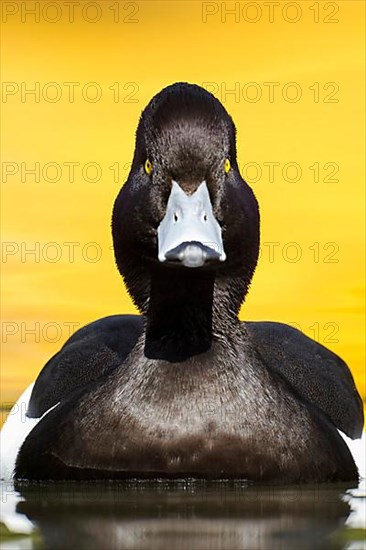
179, 317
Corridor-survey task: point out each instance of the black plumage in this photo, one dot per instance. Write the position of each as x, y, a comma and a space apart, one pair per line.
187, 389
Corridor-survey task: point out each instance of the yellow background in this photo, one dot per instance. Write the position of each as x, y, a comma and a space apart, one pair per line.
168, 42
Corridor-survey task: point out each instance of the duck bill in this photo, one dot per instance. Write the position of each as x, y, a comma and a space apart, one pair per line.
189, 233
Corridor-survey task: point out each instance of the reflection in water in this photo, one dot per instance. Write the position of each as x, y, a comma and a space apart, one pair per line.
182, 515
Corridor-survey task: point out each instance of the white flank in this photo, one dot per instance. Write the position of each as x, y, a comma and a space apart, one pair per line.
14, 432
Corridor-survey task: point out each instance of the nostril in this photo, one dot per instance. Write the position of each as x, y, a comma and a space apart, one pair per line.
175, 217
205, 217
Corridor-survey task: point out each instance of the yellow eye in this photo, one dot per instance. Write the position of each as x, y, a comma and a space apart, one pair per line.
227, 166
148, 167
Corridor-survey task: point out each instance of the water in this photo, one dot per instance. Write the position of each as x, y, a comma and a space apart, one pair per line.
182, 515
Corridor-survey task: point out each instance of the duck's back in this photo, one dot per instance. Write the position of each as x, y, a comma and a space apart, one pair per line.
89, 354
220, 414
314, 373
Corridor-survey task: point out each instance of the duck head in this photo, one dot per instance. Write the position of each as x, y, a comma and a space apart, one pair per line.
185, 224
